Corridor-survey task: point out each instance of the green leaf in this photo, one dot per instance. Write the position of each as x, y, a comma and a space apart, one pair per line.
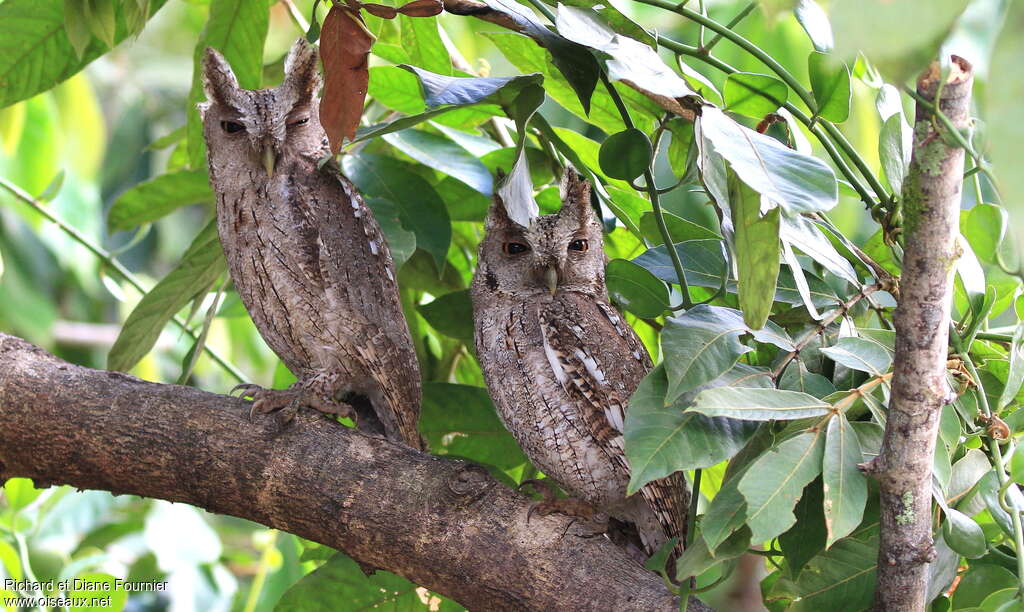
980, 581
699, 346
452, 315
754, 95
759, 404
97, 585
679, 229
340, 584
845, 487
420, 208
576, 63
20, 492
473, 431
628, 59
236, 28
830, 82
798, 378
775, 481
626, 155
682, 151
799, 183
805, 235
200, 266
984, 227
35, 53
11, 560
756, 240
155, 198
401, 242
860, 354
613, 13
963, 534
894, 147
635, 289
1015, 370
421, 39
1017, 464
101, 19
76, 25
697, 559
814, 21
726, 513
841, 578
516, 191
664, 437
807, 537
444, 155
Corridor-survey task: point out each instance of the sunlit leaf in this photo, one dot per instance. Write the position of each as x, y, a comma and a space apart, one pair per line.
422, 41
452, 315
699, 346
754, 95
444, 155
845, 487
830, 82
815, 22
860, 354
155, 198
679, 229
984, 226
756, 240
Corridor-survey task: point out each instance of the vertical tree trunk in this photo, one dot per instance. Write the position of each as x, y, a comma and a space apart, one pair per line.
931, 205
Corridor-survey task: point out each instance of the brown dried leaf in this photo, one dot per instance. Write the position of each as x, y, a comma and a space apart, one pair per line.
381, 10
422, 8
345, 49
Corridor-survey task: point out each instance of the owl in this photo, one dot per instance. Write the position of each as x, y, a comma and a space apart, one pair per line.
306, 255
561, 363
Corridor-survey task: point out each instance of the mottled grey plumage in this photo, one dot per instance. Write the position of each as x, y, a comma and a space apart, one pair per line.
561, 363
306, 254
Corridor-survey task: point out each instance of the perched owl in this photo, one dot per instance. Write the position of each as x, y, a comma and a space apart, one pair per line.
561, 363
306, 255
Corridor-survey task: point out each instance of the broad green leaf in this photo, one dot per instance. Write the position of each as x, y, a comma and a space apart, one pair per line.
1015, 370
401, 242
35, 53
754, 95
805, 235
440, 90
444, 155
980, 581
860, 354
420, 208
988, 488
20, 492
516, 191
473, 431
798, 378
1003, 600
97, 585
477, 145
984, 227
201, 265
775, 481
830, 82
576, 63
11, 560
682, 152
943, 570
799, 183
635, 289
759, 404
894, 147
340, 584
726, 513
452, 315
626, 154
396, 88
963, 534
815, 22
699, 346
236, 28
76, 25
664, 437
841, 578
420, 38
100, 16
613, 13
1017, 464
844, 486
679, 229
155, 198
808, 536
756, 241
627, 207
628, 59
697, 559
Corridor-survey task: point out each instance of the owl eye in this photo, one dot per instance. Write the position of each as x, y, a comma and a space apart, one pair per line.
579, 245
302, 121
515, 248
231, 127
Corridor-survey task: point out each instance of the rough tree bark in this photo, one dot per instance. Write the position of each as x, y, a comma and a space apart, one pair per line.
447, 525
931, 207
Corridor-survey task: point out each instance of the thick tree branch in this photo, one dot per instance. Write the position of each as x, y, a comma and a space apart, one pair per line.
931, 204
444, 524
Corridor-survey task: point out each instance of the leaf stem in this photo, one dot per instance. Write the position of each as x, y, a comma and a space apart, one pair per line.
691, 513
706, 48
261, 573
652, 192
109, 260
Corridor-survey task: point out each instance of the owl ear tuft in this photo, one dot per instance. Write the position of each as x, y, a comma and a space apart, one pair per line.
575, 192
497, 216
301, 70
219, 81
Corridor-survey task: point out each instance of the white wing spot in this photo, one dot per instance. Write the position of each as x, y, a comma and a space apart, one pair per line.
614, 415
390, 276
556, 365
591, 365
373, 247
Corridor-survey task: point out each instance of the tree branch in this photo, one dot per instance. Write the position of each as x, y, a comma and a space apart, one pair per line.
444, 524
931, 201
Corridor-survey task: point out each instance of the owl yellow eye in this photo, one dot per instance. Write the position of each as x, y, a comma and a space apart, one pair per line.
579, 245
515, 248
231, 127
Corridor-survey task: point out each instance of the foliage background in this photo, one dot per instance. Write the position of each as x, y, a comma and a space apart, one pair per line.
124, 120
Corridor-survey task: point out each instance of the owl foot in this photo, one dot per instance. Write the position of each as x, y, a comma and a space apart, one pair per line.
286, 402
589, 519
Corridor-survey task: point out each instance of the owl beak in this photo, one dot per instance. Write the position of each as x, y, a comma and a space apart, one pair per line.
269, 159
551, 278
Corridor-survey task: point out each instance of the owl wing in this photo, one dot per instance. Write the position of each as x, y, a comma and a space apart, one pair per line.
599, 360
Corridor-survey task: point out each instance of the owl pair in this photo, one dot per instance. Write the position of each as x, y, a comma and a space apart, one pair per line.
311, 265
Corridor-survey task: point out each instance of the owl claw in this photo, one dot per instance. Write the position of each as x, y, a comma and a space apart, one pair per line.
287, 402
